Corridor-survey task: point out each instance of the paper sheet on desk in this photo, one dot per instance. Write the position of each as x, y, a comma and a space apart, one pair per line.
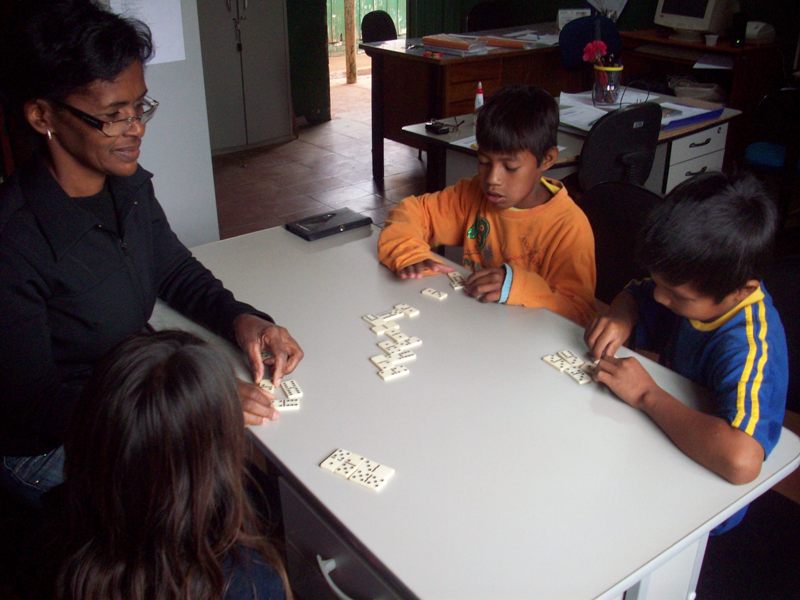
580, 116
627, 95
714, 61
674, 112
529, 35
472, 143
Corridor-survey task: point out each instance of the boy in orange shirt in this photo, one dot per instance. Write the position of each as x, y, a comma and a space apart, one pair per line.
524, 238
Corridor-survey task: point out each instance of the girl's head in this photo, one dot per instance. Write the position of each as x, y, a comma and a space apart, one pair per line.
155, 493
70, 70
156, 445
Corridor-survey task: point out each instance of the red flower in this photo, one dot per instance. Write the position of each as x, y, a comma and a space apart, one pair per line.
594, 51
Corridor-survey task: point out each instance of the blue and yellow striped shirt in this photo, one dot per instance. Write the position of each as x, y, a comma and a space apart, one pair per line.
740, 357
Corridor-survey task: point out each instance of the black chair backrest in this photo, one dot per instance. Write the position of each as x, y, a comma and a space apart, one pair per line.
579, 32
617, 211
783, 284
494, 14
377, 26
621, 146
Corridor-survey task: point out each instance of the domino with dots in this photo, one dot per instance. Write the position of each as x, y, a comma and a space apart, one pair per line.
358, 469
435, 294
456, 280
393, 372
292, 389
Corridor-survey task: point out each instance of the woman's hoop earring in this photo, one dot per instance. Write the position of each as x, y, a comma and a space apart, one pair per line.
49, 135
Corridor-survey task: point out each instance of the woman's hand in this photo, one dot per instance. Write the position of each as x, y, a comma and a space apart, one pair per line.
255, 335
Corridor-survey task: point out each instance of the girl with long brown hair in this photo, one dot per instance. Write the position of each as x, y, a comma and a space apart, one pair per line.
155, 501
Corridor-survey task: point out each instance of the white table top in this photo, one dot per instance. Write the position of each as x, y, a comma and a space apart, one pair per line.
511, 480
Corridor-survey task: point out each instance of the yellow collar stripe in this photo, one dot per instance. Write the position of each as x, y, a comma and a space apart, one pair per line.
756, 296
552, 186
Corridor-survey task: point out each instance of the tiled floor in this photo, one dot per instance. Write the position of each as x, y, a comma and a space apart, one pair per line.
328, 166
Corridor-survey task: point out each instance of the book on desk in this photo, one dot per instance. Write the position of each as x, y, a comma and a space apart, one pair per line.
456, 44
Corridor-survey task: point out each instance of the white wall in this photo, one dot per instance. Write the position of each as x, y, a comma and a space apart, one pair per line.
176, 147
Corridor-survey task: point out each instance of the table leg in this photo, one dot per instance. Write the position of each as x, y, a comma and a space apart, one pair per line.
377, 120
676, 578
436, 169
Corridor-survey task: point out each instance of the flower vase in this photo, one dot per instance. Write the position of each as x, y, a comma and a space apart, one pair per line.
607, 84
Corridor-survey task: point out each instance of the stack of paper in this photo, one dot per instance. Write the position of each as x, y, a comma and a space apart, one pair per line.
680, 115
580, 116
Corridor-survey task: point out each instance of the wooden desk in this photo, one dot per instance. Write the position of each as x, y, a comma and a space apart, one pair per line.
680, 154
757, 70
408, 87
511, 480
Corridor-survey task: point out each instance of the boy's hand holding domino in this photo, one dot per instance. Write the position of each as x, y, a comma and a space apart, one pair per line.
606, 333
627, 378
486, 284
422, 269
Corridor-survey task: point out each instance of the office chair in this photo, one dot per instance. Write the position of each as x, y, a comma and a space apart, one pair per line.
494, 14
616, 211
579, 32
775, 153
620, 146
377, 26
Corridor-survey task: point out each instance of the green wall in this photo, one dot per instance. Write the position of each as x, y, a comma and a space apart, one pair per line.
437, 16
308, 59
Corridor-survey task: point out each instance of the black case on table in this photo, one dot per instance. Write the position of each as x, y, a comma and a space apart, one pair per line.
327, 223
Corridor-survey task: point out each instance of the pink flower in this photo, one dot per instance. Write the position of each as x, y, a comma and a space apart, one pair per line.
594, 51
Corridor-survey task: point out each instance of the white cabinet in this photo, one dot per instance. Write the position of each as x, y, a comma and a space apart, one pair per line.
687, 156
321, 564
246, 71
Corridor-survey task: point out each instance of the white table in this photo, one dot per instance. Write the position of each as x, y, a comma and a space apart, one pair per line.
511, 480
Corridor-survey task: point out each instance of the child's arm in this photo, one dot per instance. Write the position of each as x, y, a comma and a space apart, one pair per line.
608, 332
419, 222
563, 280
707, 439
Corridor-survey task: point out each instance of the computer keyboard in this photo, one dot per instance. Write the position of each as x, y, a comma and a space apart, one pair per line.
664, 50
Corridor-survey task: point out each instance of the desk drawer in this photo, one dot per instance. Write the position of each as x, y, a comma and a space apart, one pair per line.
698, 144
688, 168
307, 537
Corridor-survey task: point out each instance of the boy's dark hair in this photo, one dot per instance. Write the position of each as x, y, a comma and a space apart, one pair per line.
519, 117
712, 231
52, 48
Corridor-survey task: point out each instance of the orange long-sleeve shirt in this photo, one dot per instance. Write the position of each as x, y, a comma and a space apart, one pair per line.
549, 247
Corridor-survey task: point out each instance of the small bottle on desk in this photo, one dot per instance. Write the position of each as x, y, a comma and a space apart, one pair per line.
479, 96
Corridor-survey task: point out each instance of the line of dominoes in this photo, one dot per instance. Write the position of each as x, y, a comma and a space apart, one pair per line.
357, 469
566, 361
396, 349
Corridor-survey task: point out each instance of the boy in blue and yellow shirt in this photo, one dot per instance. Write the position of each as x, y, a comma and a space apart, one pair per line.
707, 315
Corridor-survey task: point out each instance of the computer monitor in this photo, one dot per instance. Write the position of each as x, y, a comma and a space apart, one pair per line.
692, 18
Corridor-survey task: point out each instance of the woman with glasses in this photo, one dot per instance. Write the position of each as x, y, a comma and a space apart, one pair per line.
85, 248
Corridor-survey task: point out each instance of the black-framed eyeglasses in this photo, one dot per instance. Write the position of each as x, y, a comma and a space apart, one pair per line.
145, 109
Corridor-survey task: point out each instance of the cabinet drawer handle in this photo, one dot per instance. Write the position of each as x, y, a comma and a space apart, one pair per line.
326, 565
690, 174
697, 145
